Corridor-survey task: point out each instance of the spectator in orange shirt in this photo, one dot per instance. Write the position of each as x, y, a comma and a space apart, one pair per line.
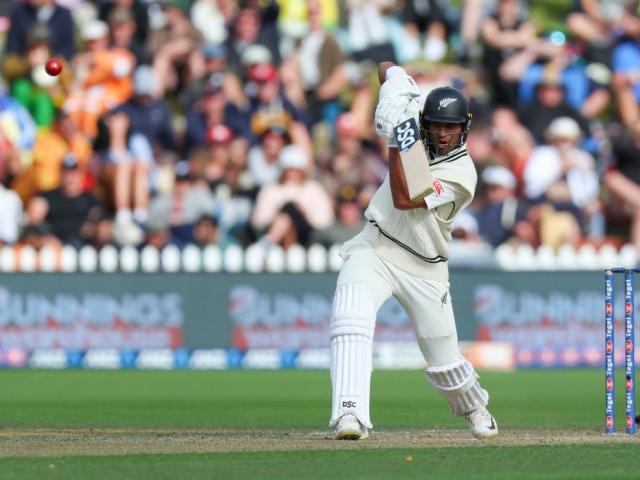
103, 78
50, 148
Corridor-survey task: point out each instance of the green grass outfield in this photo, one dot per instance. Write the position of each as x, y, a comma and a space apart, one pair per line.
273, 425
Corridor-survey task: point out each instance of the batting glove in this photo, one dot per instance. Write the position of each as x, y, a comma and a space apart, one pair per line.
390, 112
399, 85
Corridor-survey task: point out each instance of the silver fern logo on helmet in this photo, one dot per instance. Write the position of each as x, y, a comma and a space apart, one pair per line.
445, 102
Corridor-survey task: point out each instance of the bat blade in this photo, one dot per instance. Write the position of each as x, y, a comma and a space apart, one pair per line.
415, 159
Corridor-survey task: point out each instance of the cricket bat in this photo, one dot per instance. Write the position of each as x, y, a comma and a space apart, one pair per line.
414, 158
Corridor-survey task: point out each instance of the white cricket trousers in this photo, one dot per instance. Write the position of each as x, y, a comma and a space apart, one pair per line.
365, 282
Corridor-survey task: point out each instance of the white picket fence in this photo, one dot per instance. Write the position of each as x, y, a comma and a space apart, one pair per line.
257, 259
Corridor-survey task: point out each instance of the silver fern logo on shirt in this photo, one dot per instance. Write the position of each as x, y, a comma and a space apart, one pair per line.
445, 102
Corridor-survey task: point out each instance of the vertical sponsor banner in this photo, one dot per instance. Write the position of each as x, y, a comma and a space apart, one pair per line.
629, 355
609, 343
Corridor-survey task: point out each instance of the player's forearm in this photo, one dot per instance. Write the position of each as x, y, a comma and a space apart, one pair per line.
398, 182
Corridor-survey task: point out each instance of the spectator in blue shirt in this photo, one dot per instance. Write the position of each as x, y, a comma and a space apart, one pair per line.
147, 114
139, 129
626, 81
503, 216
210, 110
25, 15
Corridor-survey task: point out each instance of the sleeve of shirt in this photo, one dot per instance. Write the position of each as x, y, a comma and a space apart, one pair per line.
624, 58
195, 132
17, 34
443, 193
297, 114
64, 44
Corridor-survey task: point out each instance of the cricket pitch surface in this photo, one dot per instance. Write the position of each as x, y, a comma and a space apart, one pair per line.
88, 441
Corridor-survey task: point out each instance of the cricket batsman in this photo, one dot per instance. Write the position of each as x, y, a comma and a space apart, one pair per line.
402, 252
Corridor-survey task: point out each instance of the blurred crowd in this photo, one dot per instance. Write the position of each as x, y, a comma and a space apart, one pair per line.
235, 122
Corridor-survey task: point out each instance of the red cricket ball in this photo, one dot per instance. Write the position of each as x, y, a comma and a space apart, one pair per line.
53, 67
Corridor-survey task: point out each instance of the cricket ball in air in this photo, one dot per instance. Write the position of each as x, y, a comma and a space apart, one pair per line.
53, 67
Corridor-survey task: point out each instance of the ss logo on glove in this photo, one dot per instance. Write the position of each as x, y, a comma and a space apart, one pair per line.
407, 134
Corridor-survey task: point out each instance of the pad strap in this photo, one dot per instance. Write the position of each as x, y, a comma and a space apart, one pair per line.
458, 383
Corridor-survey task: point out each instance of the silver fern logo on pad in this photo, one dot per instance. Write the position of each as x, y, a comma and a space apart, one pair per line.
445, 102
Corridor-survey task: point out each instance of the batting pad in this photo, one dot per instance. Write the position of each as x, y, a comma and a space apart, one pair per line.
352, 329
458, 382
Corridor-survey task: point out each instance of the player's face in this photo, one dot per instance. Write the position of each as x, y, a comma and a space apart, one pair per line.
444, 136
